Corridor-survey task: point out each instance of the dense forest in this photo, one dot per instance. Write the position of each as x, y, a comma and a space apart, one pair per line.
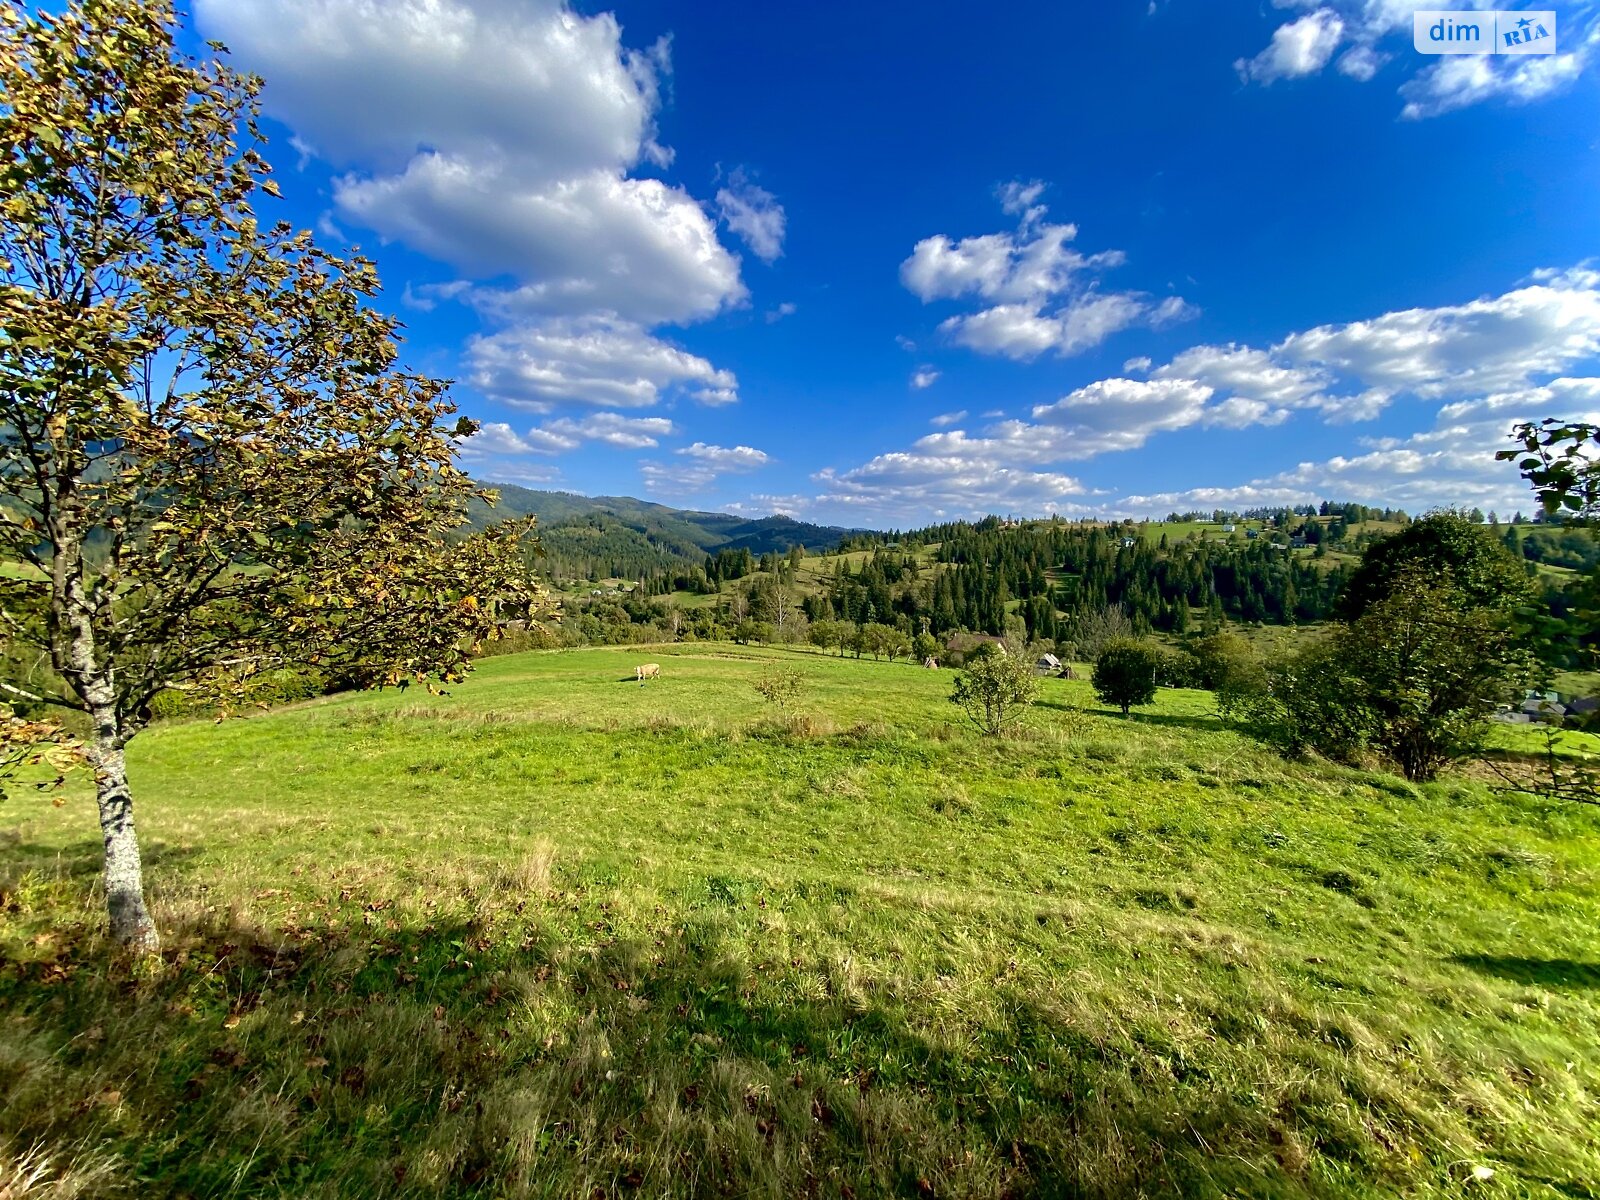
1036, 579
1056, 570
1054, 567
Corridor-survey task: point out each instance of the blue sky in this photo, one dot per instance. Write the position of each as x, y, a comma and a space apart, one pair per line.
888, 264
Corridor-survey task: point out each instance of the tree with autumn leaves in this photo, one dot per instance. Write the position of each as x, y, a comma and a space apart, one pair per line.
211, 462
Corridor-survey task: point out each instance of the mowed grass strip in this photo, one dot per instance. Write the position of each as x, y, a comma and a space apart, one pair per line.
555, 934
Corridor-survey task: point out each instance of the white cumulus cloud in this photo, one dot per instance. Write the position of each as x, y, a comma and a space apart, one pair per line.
1361, 63
1300, 47
494, 438
1460, 80
699, 467
909, 487
1434, 85
1451, 464
505, 138
1491, 343
596, 361
754, 214
1038, 292
1482, 364
613, 429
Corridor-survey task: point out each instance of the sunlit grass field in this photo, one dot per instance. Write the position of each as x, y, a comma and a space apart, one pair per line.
555, 934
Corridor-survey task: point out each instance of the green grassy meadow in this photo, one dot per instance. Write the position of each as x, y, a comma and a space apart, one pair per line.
557, 935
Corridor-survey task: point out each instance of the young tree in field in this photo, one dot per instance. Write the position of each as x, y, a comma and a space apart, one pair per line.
798, 631
1429, 667
780, 607
208, 457
895, 643
780, 686
855, 639
878, 639
825, 635
994, 690
1228, 666
1430, 613
1125, 673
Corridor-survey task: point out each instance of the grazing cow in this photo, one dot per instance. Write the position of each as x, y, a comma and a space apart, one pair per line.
648, 671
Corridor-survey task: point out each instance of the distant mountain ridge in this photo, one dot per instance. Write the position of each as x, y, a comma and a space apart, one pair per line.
684, 534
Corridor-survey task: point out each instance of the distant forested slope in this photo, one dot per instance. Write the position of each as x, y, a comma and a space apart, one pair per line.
621, 537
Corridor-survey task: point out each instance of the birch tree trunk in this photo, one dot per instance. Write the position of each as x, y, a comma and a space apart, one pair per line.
95, 683
131, 925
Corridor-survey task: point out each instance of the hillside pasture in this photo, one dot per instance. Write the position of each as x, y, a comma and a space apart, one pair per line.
556, 934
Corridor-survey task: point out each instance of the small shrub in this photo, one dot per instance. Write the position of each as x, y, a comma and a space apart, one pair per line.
1176, 668
994, 689
519, 641
1224, 661
1303, 703
780, 687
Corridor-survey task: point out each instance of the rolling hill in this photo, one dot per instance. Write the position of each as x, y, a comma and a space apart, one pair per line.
682, 534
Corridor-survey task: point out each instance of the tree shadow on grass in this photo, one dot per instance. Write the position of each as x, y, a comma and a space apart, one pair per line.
1179, 721
76, 860
1142, 718
1063, 706
528, 1050
1554, 973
